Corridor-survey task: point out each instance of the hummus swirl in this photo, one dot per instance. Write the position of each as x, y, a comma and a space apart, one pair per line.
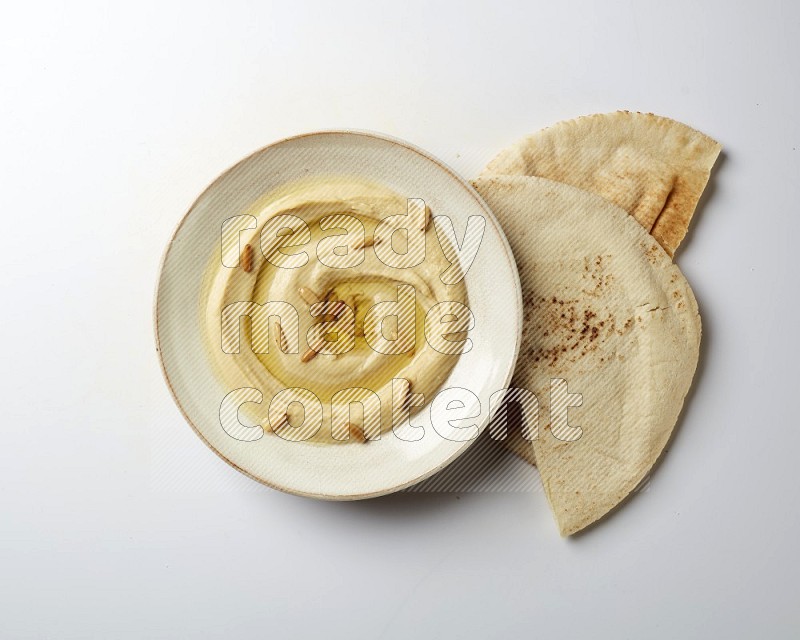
318, 292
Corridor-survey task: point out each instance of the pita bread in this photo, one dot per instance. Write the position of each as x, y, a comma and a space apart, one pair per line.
607, 311
653, 167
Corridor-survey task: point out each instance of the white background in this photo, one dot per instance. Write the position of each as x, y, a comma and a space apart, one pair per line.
117, 522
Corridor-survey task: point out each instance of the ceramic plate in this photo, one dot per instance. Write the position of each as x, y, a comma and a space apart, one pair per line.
338, 471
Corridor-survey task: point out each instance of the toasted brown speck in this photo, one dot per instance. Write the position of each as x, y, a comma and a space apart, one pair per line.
247, 258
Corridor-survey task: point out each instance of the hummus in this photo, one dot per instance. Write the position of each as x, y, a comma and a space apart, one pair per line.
300, 246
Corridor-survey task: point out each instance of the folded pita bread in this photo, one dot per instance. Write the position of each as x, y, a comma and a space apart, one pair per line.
607, 311
653, 167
